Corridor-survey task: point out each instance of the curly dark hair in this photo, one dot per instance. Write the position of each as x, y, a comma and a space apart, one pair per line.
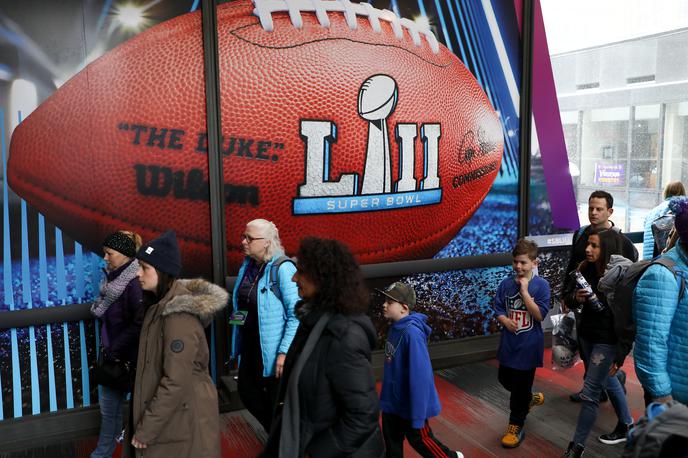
335, 272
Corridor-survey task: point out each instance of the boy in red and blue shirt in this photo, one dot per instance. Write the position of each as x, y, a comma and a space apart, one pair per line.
521, 303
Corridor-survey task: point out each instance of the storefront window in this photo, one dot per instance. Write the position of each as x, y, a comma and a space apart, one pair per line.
605, 147
569, 120
645, 148
626, 76
675, 163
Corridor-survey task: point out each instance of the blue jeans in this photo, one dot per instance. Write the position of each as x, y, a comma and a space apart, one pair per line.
111, 403
600, 358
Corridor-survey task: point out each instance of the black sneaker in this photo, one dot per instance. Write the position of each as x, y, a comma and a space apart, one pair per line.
575, 397
573, 451
617, 436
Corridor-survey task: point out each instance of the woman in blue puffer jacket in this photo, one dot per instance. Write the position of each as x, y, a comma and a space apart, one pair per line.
268, 323
661, 342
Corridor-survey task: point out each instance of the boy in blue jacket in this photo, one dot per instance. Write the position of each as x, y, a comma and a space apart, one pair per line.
408, 395
521, 303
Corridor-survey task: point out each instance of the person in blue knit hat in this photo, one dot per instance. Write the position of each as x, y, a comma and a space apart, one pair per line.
175, 408
660, 310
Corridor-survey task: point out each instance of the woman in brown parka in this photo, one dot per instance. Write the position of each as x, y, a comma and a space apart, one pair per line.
175, 408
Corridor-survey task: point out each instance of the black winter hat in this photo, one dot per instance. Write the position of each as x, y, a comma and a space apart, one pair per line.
122, 243
163, 254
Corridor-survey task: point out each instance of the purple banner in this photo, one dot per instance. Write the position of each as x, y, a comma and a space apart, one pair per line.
555, 161
610, 174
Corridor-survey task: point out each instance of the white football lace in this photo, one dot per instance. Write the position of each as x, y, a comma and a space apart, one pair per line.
264, 9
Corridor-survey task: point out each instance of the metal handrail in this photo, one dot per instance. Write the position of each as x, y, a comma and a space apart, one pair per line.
78, 312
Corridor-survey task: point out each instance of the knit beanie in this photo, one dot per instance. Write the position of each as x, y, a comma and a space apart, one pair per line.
121, 243
679, 207
163, 254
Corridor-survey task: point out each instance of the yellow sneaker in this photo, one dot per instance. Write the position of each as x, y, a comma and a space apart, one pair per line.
537, 400
513, 437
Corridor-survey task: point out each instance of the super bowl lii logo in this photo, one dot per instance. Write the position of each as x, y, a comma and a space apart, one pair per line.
377, 99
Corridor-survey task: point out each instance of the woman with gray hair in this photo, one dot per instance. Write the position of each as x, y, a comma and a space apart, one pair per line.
263, 317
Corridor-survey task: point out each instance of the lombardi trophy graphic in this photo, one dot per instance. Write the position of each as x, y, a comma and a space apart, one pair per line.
320, 194
377, 99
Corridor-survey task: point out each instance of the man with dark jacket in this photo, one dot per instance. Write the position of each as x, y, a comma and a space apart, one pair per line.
600, 209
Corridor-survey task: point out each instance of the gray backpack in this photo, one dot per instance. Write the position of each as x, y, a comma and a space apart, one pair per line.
663, 432
661, 228
274, 275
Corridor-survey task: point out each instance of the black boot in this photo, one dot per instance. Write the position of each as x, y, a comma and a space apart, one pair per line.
574, 451
617, 436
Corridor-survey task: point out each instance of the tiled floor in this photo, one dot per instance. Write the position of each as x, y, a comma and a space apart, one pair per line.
473, 418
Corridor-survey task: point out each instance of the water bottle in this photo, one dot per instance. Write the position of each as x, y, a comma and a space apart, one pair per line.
582, 283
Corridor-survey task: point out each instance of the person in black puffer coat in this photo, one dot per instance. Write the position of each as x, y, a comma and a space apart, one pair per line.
327, 403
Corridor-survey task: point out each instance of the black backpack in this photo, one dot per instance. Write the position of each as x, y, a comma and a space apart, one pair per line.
620, 300
661, 228
663, 432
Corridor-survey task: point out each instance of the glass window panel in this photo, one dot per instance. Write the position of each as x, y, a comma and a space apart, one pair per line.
571, 139
619, 216
647, 112
637, 218
643, 199
645, 141
610, 114
604, 147
569, 117
683, 109
643, 174
675, 160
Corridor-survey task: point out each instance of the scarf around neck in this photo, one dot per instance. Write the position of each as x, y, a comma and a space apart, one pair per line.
110, 291
289, 446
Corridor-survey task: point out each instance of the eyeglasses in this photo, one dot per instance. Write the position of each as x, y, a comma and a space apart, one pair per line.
250, 239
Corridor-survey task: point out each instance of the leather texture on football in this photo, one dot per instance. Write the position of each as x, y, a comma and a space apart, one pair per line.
338, 120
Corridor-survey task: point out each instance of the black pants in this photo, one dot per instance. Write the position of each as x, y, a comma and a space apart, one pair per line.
520, 384
257, 393
395, 429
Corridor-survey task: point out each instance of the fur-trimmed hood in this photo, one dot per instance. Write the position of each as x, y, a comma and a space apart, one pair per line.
197, 297
180, 422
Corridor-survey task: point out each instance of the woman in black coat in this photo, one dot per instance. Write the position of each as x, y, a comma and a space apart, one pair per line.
327, 403
599, 343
